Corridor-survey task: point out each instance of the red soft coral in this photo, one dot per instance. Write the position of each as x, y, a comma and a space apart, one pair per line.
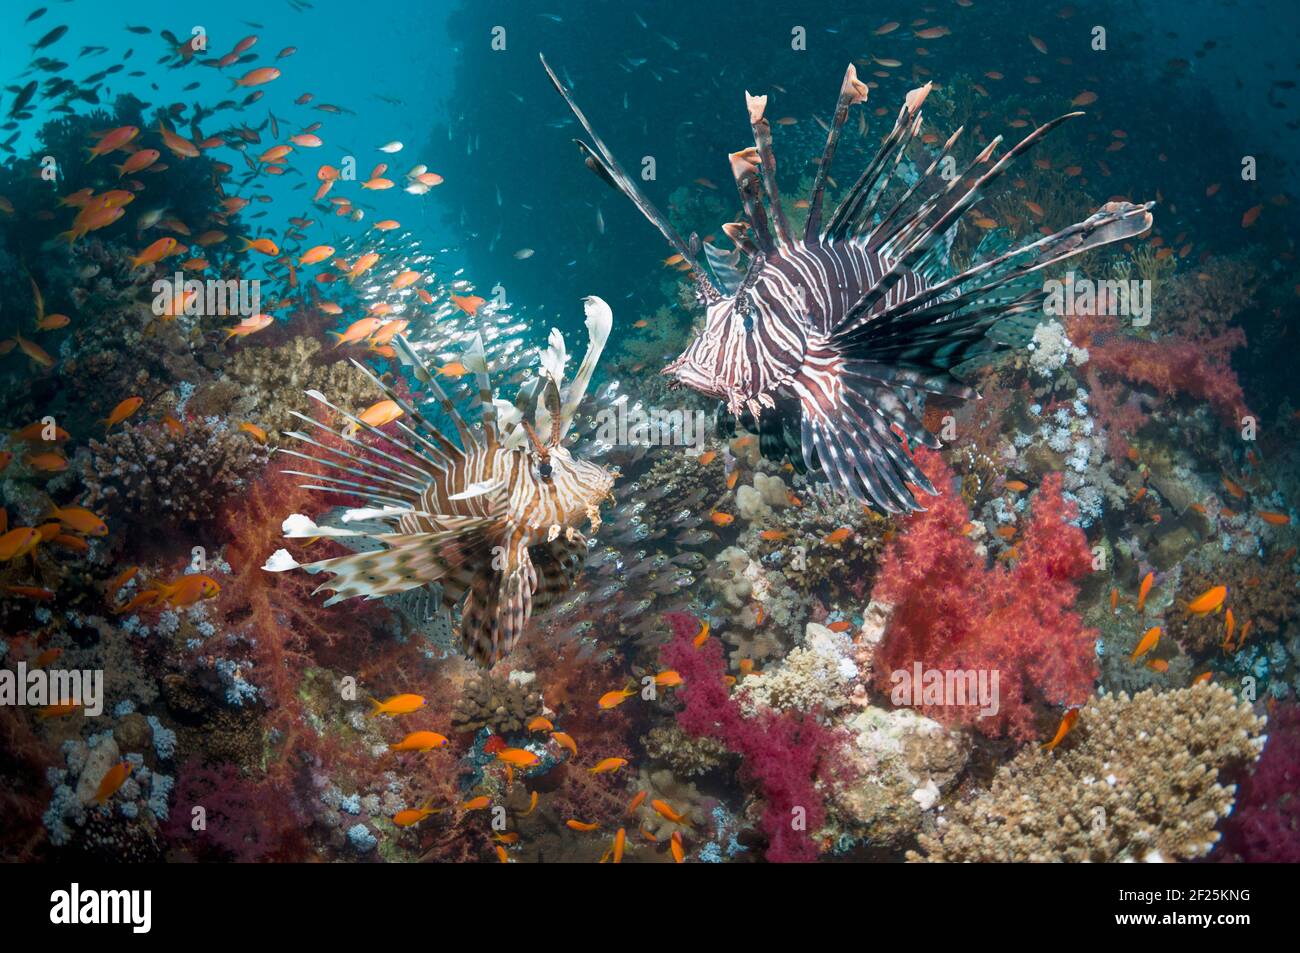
952, 611
1195, 363
783, 752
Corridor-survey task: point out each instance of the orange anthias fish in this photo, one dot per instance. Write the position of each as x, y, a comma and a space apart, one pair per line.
839, 536
469, 304
576, 825
721, 519
605, 765
703, 635
1275, 519
1067, 722
257, 77
122, 411
80, 520
1208, 601
1146, 644
419, 741
256, 432
1144, 589
615, 698
565, 741
538, 723
189, 589
111, 781
396, 705
675, 845
113, 139
156, 252
668, 679
519, 757
357, 331
665, 810
414, 815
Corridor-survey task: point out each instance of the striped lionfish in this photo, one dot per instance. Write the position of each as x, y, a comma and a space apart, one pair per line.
494, 521
810, 341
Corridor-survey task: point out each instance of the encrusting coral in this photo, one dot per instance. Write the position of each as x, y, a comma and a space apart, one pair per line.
496, 702
1137, 779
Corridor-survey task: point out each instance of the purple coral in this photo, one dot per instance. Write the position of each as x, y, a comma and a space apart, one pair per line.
783, 751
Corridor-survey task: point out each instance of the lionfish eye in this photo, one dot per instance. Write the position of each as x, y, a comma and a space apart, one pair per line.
544, 470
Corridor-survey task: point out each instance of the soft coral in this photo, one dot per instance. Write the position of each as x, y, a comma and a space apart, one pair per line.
952, 611
783, 751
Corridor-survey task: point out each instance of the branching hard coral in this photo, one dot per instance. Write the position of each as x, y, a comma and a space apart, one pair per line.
1136, 779
685, 755
952, 612
271, 382
150, 476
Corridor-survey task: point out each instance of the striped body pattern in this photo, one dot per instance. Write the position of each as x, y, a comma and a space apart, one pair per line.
825, 344
493, 520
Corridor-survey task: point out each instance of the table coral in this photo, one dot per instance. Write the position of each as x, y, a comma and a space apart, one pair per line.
1139, 778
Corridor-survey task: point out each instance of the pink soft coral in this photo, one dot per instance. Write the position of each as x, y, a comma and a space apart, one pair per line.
952, 611
783, 751
1194, 363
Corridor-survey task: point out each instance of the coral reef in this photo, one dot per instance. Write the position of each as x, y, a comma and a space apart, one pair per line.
950, 611
1139, 778
500, 703
170, 480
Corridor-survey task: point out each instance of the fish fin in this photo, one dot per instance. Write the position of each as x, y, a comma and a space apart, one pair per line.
599, 322
852, 90
762, 130
475, 360
875, 174
498, 606
725, 267
409, 559
604, 164
407, 355
982, 287
557, 564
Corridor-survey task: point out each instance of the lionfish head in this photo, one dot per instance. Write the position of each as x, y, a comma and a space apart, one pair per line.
588, 482
700, 366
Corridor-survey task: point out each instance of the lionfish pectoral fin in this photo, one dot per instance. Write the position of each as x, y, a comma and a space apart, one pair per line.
409, 560
499, 605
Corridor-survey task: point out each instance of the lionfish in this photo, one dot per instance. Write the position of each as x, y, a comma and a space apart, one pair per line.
493, 522
824, 344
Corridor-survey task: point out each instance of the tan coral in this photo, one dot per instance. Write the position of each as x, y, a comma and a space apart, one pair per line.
1138, 779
